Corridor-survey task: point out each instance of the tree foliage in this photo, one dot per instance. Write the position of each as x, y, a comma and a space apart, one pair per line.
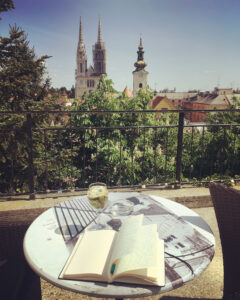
223, 145
124, 147
6, 5
22, 81
23, 87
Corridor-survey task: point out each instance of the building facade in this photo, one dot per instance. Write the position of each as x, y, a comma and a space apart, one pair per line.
86, 79
139, 74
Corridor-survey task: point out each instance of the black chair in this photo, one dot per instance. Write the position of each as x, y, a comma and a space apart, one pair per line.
226, 202
17, 280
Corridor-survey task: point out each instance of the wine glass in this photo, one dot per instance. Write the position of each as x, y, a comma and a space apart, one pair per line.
98, 197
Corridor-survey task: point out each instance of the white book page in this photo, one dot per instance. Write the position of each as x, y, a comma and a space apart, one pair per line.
90, 253
154, 275
145, 253
126, 240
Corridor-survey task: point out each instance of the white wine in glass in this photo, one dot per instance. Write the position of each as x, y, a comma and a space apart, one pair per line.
98, 194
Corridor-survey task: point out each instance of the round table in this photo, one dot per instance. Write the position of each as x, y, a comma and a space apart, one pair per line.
189, 243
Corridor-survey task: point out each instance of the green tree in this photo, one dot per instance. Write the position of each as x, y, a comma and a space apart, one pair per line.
23, 87
224, 146
127, 154
213, 152
6, 5
22, 81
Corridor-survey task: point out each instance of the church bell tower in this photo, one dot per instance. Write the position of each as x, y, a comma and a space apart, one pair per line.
139, 74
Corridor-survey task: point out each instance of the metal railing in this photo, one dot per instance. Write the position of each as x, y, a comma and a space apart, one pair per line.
166, 151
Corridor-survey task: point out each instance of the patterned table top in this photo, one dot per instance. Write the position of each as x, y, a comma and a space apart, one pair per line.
189, 242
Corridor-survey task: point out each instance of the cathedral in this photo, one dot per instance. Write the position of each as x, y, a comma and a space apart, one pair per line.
86, 79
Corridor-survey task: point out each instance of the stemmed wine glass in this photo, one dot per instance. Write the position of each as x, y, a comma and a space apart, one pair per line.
98, 197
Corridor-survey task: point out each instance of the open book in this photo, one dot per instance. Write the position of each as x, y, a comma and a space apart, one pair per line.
135, 254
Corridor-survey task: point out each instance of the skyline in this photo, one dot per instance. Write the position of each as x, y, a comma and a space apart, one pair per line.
188, 44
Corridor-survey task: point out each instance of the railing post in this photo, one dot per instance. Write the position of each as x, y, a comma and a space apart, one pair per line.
179, 147
30, 158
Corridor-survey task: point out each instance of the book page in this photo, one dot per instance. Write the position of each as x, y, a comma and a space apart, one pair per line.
126, 240
145, 254
151, 275
90, 254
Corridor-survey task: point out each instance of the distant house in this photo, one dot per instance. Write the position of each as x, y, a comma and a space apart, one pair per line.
177, 98
227, 91
195, 117
128, 92
162, 103
194, 100
206, 101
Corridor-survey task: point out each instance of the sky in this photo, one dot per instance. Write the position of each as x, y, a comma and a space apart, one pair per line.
188, 44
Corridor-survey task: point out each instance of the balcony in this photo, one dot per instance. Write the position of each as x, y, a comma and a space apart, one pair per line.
59, 159
60, 151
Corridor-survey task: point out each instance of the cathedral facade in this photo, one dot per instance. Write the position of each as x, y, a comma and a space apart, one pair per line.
86, 78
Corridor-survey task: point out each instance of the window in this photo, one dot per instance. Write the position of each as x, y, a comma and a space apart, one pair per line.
81, 69
140, 85
90, 83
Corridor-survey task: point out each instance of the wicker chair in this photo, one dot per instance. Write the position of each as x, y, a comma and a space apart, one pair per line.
183, 298
226, 203
17, 279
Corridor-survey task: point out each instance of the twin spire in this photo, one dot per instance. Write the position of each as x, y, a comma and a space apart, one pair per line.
99, 39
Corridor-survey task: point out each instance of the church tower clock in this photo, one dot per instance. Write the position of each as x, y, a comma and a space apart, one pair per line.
139, 74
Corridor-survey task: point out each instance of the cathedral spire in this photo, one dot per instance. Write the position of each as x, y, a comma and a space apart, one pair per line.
80, 32
99, 52
99, 31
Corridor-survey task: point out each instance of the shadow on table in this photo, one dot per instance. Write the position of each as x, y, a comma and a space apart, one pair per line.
183, 298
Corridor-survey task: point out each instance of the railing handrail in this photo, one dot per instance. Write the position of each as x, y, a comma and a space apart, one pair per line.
179, 124
116, 111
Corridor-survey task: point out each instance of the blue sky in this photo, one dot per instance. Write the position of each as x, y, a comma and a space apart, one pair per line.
188, 44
